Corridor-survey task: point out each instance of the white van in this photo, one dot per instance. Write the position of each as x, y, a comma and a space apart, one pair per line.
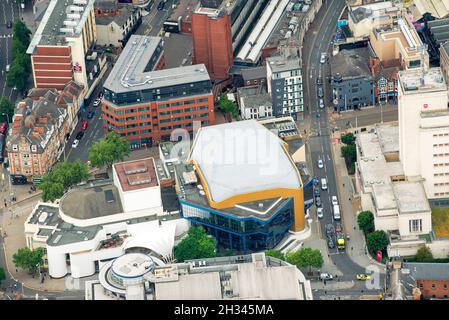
337, 212
324, 184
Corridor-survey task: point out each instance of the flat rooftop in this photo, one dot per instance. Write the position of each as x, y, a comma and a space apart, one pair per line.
280, 63
242, 157
132, 265
411, 197
129, 72
92, 202
136, 175
63, 18
411, 81
372, 10
428, 271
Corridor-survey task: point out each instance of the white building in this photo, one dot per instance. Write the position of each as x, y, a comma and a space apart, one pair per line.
424, 129
255, 277
284, 80
101, 221
254, 103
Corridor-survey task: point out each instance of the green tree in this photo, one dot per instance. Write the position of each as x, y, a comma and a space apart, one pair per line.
63, 176
365, 220
2, 275
108, 150
348, 139
28, 259
275, 254
22, 33
17, 77
305, 258
228, 106
377, 240
349, 152
6, 107
424, 254
197, 245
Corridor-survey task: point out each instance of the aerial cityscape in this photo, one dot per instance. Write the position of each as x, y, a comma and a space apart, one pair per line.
224, 150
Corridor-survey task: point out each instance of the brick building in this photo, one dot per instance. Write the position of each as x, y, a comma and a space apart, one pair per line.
145, 104
40, 127
431, 278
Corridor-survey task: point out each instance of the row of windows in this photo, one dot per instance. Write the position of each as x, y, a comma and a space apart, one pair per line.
441, 164
441, 194
442, 184
415, 225
440, 155
434, 286
441, 145
441, 135
441, 174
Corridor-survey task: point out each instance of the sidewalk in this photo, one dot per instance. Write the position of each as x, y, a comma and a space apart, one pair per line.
15, 239
356, 247
333, 285
335, 116
27, 17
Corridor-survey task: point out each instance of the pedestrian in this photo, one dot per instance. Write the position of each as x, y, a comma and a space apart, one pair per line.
5, 204
352, 248
17, 270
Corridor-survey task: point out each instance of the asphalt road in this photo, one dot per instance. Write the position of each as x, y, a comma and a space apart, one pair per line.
361, 120
9, 11
317, 41
153, 22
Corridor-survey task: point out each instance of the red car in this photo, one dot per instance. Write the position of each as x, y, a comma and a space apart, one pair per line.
84, 125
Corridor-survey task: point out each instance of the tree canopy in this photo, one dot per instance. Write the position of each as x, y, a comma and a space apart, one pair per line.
228, 106
305, 258
348, 138
6, 107
275, 254
2, 275
20, 69
108, 150
197, 245
377, 240
28, 259
424, 254
365, 220
61, 178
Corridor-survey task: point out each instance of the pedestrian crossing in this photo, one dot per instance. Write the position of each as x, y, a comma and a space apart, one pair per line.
4, 36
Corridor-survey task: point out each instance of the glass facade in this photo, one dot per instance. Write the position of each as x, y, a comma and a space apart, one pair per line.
242, 234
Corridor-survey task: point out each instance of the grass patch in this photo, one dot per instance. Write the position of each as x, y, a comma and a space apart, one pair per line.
440, 222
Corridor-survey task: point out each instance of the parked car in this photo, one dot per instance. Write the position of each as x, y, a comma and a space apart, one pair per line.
320, 92
326, 276
8, 67
363, 277
319, 81
318, 201
316, 191
79, 135
319, 213
320, 164
321, 103
334, 200
75, 144
330, 243
97, 102
323, 58
84, 125
90, 115
18, 179
161, 5
9, 24
338, 227
330, 231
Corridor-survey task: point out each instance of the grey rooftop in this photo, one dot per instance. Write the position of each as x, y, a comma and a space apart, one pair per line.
129, 72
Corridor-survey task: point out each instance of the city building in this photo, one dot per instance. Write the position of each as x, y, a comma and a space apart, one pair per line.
424, 129
255, 277
254, 76
398, 44
103, 219
432, 279
62, 48
363, 18
385, 81
444, 60
241, 184
40, 129
106, 8
352, 82
284, 80
145, 104
115, 30
438, 9
254, 103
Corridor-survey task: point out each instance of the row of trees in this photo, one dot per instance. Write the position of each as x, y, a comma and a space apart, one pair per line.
67, 174
6, 107
349, 151
375, 240
20, 70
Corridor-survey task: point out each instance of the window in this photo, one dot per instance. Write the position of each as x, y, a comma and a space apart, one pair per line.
445, 286
415, 225
433, 286
15, 147
33, 148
